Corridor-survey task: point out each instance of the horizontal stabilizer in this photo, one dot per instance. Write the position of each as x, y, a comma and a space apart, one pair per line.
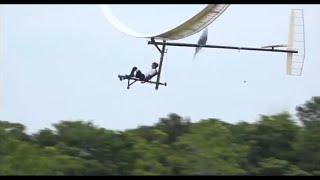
275, 46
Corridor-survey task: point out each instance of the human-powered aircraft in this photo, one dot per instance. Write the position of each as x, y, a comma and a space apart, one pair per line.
295, 47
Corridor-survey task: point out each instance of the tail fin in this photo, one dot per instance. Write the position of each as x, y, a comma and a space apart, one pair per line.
296, 41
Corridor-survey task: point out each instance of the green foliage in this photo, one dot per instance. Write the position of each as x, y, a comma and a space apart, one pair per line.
46, 137
273, 167
274, 145
174, 126
309, 149
209, 150
309, 113
14, 129
274, 136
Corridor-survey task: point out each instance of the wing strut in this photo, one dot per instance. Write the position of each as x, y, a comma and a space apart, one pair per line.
160, 63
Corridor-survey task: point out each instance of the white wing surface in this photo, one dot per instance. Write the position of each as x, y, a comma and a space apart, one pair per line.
191, 26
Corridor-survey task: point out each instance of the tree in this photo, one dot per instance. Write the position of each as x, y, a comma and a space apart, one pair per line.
274, 136
309, 113
85, 140
208, 150
46, 137
309, 154
16, 130
277, 167
29, 159
150, 153
174, 126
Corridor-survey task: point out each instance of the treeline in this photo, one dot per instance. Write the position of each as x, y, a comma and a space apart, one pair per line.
274, 145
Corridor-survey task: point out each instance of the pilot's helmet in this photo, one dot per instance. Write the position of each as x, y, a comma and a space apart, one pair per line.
154, 65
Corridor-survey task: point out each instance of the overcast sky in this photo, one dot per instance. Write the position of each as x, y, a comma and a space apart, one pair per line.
60, 62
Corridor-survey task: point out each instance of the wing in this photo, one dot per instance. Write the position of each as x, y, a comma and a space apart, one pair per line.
192, 26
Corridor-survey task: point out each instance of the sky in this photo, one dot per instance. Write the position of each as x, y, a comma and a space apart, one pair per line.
61, 62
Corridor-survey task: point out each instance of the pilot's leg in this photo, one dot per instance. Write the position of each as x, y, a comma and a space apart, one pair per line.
122, 77
140, 75
132, 71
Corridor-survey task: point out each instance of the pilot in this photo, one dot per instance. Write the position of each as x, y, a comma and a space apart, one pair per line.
135, 72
